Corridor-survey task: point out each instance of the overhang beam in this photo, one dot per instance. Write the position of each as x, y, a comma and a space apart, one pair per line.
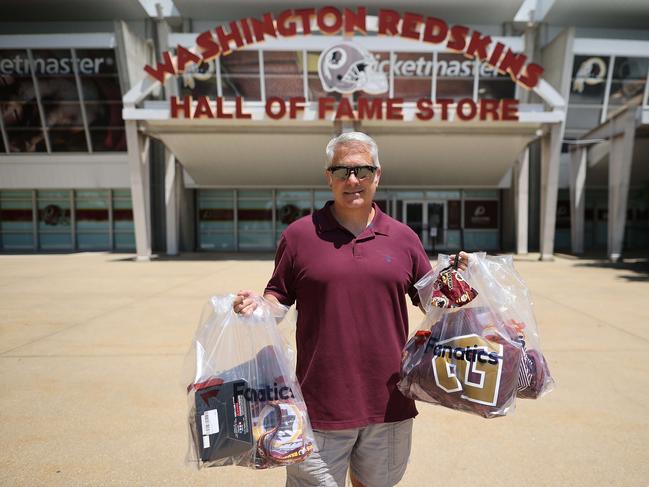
533, 11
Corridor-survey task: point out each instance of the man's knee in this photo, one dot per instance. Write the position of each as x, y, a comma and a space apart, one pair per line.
381, 455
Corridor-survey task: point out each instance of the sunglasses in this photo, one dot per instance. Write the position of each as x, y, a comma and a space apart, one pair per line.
343, 172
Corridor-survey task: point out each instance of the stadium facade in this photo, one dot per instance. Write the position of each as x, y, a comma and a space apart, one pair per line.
185, 126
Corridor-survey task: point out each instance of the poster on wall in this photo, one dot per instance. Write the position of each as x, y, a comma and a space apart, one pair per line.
480, 214
50, 96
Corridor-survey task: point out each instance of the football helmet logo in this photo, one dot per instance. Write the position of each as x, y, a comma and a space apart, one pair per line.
347, 67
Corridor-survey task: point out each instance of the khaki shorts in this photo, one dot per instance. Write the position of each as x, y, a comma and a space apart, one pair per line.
376, 454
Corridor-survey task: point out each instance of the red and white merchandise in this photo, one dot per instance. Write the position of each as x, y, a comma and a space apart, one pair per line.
478, 347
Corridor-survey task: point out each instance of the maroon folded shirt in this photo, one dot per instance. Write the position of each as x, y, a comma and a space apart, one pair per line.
464, 362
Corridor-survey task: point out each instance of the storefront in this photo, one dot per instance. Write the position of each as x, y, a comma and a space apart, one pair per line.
254, 219
214, 140
248, 129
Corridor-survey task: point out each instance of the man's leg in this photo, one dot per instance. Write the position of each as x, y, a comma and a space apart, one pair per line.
327, 465
381, 454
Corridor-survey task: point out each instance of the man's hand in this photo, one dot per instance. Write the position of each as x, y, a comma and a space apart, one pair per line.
246, 302
464, 260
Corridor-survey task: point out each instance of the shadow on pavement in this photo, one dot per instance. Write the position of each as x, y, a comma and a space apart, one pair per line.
639, 266
203, 256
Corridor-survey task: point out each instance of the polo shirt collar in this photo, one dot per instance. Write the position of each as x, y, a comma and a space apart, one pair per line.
327, 222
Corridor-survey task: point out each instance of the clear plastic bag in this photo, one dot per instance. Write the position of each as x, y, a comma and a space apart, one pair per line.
478, 347
245, 406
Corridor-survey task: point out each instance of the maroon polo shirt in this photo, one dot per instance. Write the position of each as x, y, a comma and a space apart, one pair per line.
352, 317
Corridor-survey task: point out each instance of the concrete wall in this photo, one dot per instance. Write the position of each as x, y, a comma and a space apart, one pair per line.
78, 171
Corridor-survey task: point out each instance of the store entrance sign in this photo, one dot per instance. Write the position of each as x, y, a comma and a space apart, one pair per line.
277, 108
222, 40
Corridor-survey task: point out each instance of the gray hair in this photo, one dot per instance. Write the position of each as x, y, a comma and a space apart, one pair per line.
348, 137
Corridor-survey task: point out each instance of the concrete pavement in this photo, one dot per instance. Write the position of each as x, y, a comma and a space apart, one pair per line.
92, 346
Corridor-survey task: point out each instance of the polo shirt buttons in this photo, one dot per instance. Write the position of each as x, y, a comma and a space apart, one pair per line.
356, 249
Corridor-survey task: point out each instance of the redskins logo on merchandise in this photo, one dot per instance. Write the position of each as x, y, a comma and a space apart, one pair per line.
288, 430
469, 364
280, 434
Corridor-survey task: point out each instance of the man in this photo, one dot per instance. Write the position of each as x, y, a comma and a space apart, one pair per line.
348, 267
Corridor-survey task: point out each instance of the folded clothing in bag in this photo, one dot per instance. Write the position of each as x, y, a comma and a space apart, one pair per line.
479, 348
534, 374
463, 362
244, 402
233, 419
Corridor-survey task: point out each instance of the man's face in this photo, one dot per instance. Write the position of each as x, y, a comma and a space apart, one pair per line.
353, 193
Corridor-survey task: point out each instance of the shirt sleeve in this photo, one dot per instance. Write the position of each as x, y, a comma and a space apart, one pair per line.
281, 284
420, 266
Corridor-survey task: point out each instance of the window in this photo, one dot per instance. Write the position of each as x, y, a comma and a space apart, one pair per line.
255, 220
67, 220
16, 220
413, 75
492, 84
587, 89
588, 80
58, 91
240, 75
455, 76
215, 220
54, 220
628, 81
92, 219
291, 205
283, 74
75, 105
103, 99
19, 104
123, 228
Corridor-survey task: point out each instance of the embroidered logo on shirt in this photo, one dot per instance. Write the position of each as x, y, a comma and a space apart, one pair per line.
388, 258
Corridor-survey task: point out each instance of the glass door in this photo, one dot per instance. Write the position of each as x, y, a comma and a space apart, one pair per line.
428, 220
436, 225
